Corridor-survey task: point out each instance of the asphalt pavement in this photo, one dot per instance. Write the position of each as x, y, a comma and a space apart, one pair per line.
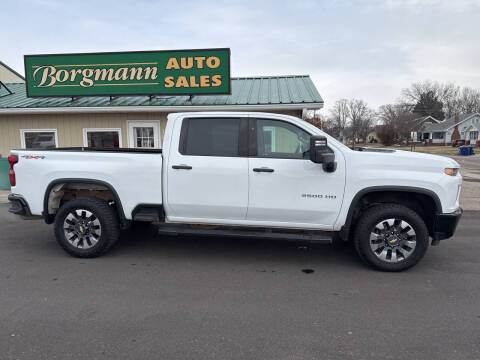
470, 170
153, 297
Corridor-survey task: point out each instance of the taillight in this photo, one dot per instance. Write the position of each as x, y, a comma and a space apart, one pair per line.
12, 160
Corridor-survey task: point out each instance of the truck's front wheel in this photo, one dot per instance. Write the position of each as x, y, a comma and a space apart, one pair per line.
391, 237
86, 227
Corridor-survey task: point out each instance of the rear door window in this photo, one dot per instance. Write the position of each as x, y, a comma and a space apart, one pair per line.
210, 137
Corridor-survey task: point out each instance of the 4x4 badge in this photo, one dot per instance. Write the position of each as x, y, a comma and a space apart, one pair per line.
35, 157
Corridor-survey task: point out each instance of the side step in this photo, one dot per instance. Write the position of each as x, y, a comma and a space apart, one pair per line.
258, 233
148, 213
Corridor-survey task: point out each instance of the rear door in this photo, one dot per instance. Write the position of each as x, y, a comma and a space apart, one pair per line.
208, 170
286, 188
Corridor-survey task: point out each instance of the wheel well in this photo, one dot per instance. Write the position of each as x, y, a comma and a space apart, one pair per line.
423, 204
60, 192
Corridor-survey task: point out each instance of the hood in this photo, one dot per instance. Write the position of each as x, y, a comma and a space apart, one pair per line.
428, 157
405, 159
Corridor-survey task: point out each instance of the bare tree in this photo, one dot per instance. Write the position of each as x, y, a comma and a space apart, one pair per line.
468, 101
339, 116
386, 134
361, 119
316, 118
414, 93
455, 100
367, 125
398, 119
449, 97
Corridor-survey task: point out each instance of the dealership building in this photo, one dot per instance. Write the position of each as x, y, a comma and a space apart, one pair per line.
136, 121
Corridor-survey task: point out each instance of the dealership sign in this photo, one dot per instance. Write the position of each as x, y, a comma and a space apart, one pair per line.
177, 72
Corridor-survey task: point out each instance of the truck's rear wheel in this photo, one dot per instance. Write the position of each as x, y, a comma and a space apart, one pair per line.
86, 227
391, 237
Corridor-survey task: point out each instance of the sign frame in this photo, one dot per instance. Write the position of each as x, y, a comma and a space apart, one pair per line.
190, 93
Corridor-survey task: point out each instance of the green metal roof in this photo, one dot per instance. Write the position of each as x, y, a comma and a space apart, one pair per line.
3, 90
268, 90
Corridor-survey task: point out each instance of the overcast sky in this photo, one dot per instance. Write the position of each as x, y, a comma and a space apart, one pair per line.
367, 49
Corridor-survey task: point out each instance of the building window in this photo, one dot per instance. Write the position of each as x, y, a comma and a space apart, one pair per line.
473, 135
143, 133
144, 137
438, 135
39, 138
102, 138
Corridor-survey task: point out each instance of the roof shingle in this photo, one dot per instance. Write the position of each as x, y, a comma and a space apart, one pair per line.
445, 124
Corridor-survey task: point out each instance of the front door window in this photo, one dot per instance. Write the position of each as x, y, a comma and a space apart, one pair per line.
279, 139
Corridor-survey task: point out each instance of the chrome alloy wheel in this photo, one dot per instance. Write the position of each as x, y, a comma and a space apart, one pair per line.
82, 228
393, 240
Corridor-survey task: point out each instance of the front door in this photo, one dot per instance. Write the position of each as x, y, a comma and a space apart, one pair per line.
207, 171
144, 134
286, 188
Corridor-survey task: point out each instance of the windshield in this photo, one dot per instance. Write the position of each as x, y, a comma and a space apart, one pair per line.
331, 140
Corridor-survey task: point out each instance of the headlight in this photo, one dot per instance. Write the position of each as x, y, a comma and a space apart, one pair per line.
451, 171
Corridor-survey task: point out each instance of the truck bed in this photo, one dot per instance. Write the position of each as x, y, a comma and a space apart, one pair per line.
134, 174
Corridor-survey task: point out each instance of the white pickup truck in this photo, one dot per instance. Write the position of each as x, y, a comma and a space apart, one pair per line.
244, 174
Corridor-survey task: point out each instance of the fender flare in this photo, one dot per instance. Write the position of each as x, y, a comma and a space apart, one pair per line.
345, 230
50, 218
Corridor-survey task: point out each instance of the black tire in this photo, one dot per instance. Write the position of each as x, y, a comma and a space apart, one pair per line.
375, 215
107, 218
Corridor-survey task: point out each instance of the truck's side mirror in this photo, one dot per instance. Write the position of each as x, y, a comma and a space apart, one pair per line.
321, 154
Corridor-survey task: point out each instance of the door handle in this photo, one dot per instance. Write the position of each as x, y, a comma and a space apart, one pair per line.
263, 169
182, 167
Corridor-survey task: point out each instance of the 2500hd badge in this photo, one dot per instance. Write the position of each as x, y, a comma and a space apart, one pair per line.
318, 196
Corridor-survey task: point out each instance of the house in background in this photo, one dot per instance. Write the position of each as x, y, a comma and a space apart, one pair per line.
418, 133
459, 127
372, 136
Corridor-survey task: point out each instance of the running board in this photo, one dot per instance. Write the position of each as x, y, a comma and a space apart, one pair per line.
148, 213
258, 233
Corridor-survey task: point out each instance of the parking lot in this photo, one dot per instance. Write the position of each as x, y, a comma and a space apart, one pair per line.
153, 297
470, 169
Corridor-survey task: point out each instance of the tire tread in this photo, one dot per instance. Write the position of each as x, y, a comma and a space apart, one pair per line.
108, 219
362, 236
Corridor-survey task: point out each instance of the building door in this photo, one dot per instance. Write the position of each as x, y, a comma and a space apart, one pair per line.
143, 134
473, 137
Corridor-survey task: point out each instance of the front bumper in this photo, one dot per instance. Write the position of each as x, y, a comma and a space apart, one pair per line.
445, 225
19, 205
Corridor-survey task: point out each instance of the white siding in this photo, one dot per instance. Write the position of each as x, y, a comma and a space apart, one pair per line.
7, 76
